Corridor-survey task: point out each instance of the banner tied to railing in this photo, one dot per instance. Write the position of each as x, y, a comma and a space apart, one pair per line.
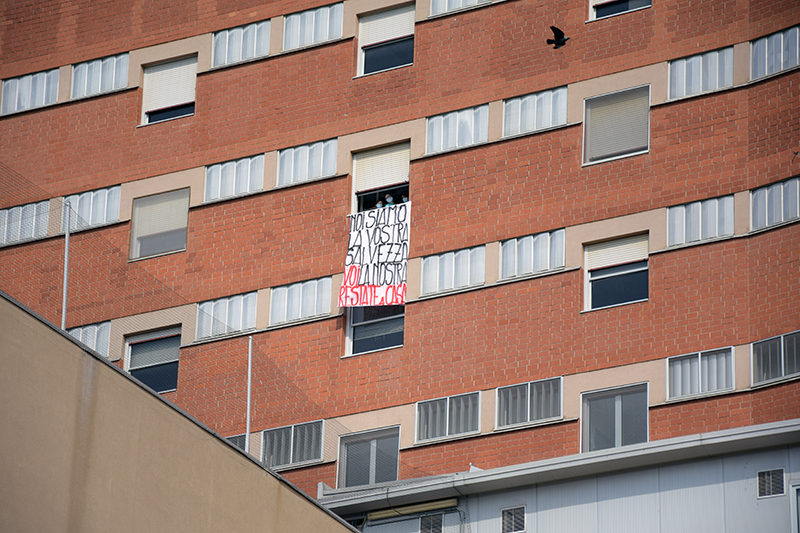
377, 257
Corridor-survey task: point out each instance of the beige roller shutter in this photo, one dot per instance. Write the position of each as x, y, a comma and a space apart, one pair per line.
161, 212
169, 84
386, 25
382, 167
617, 124
617, 252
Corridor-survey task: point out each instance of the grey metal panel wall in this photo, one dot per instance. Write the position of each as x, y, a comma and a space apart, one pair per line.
451, 523
744, 510
485, 510
567, 507
628, 503
691, 497
410, 525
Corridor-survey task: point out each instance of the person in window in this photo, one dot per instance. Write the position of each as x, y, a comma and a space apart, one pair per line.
405, 198
389, 200
379, 204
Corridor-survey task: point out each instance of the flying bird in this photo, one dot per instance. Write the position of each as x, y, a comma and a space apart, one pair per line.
795, 155
558, 38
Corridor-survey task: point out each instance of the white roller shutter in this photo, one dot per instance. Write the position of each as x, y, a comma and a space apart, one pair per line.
382, 167
617, 124
169, 84
161, 212
386, 25
617, 252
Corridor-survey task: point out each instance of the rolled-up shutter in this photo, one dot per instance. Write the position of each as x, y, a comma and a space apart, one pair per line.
381, 167
617, 252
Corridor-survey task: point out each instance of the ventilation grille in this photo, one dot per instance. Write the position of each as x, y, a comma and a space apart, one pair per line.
513, 520
770, 483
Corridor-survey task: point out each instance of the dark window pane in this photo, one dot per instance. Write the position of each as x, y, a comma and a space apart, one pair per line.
388, 55
159, 243
791, 353
357, 460
612, 8
277, 447
160, 378
368, 200
237, 441
170, 112
767, 359
386, 460
378, 335
634, 417
618, 289
600, 427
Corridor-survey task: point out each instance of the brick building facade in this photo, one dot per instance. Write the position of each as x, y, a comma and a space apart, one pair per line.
668, 126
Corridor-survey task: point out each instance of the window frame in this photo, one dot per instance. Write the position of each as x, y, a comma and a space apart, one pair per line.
49, 94
203, 317
528, 422
292, 463
447, 435
594, 3
771, 473
159, 334
114, 193
524, 519
480, 264
719, 201
257, 27
362, 48
339, 6
551, 235
765, 39
95, 330
116, 84
285, 301
767, 191
630, 262
213, 178
478, 136
432, 527
344, 440
135, 253
612, 392
728, 50
174, 110
585, 159
783, 376
351, 326
287, 156
700, 393
39, 227
560, 92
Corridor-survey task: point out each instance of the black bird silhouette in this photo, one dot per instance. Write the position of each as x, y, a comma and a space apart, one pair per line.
795, 155
559, 40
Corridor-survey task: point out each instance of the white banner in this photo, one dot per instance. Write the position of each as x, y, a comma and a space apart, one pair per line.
377, 257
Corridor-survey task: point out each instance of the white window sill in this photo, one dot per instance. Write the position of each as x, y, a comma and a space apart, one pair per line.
372, 351
615, 158
135, 259
698, 396
447, 438
615, 305
532, 424
384, 70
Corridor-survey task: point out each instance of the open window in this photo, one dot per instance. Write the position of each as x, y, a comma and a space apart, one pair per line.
153, 358
607, 8
386, 40
617, 271
381, 172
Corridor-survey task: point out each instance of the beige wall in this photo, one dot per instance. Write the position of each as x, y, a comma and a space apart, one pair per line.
85, 448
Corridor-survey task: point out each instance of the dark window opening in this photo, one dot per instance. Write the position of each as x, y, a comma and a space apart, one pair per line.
160, 243
612, 8
391, 54
377, 327
619, 284
170, 112
369, 199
